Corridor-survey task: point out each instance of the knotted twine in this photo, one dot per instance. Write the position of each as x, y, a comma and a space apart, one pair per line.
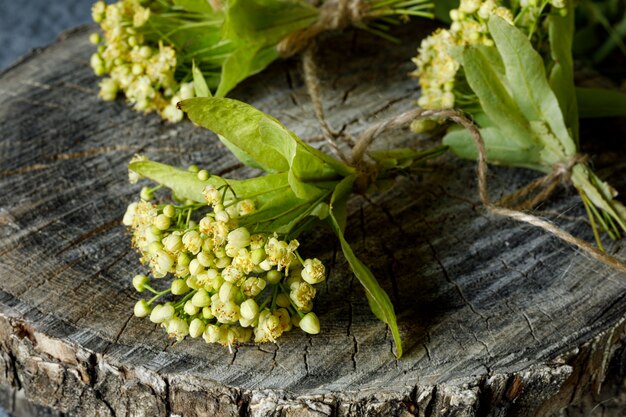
333, 15
367, 171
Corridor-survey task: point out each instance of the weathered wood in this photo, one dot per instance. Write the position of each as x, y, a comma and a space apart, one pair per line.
497, 318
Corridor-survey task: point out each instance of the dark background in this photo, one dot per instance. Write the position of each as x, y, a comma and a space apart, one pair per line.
27, 24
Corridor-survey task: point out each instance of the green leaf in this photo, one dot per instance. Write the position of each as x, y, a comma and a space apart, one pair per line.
267, 22
238, 124
561, 35
500, 150
186, 184
596, 102
527, 81
199, 83
244, 61
198, 6
379, 301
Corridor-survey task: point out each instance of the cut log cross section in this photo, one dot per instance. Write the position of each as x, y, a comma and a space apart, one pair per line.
497, 317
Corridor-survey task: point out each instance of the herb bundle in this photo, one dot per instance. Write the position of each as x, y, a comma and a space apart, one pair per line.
511, 69
235, 267
152, 47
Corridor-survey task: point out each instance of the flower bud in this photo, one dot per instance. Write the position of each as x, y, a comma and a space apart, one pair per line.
203, 175
162, 222
283, 300
145, 51
249, 309
142, 308
245, 207
195, 268
179, 287
201, 298
196, 328
162, 263
274, 276
97, 64
95, 38
314, 271
192, 282
98, 11
146, 193
140, 281
169, 210
162, 313
190, 308
310, 323
285, 319
257, 256
129, 215
205, 259
183, 259
222, 216
243, 322
228, 292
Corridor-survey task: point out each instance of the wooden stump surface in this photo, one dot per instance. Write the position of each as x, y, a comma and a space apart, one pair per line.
497, 317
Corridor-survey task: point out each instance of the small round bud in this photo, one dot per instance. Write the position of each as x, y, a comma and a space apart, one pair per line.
274, 276
137, 69
145, 51
183, 259
146, 194
142, 308
211, 334
190, 309
192, 282
205, 259
169, 210
108, 92
257, 256
162, 222
179, 287
222, 216
249, 309
203, 175
239, 238
140, 282
201, 298
228, 292
95, 38
196, 328
222, 262
195, 268
283, 300
310, 323
161, 313
193, 168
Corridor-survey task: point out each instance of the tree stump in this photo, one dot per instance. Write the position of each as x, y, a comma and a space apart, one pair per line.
497, 317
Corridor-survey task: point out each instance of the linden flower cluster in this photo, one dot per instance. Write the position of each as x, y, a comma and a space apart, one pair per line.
145, 74
437, 67
231, 285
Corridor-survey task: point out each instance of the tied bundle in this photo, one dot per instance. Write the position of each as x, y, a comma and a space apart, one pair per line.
152, 48
511, 69
223, 253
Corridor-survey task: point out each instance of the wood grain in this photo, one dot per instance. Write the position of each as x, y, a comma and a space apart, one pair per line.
497, 317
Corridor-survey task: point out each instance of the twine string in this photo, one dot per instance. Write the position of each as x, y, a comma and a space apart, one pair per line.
333, 15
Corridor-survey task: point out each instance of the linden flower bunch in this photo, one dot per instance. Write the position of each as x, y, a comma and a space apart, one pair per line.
512, 70
152, 49
229, 284
438, 60
230, 246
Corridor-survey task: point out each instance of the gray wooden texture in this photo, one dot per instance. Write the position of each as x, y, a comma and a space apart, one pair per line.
497, 317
